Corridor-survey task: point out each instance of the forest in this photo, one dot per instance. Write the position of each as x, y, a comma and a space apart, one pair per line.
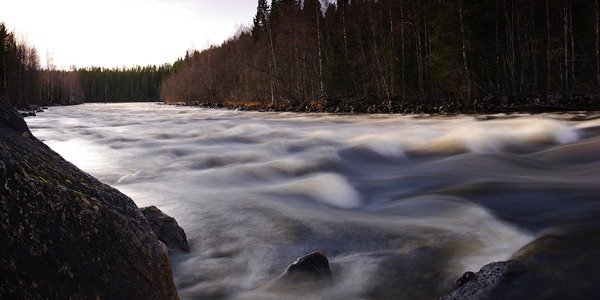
25, 83
355, 56
19, 69
136, 84
401, 56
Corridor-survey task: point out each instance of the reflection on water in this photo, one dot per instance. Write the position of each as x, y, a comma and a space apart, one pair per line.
402, 205
82, 153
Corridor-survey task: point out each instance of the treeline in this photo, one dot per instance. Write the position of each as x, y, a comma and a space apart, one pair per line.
59, 87
394, 55
25, 83
123, 84
137, 84
19, 65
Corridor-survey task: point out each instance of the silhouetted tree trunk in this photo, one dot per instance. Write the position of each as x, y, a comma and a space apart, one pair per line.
534, 42
567, 85
597, 13
402, 49
467, 84
419, 50
572, 41
392, 51
548, 40
273, 65
320, 49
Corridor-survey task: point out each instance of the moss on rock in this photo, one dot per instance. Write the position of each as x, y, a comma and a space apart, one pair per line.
64, 234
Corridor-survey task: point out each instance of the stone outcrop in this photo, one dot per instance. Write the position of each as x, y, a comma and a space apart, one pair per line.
166, 228
311, 267
304, 278
11, 119
557, 265
63, 234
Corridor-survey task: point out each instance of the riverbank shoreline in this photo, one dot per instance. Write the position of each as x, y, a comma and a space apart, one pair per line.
488, 105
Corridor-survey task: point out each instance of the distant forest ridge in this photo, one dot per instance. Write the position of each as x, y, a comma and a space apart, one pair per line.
356, 56
401, 56
24, 83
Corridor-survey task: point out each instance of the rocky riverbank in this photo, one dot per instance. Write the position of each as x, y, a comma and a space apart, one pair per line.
67, 235
561, 264
490, 104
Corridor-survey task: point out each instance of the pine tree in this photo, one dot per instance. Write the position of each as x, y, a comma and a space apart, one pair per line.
3, 58
260, 19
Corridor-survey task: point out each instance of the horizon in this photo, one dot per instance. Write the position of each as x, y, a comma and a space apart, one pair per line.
135, 36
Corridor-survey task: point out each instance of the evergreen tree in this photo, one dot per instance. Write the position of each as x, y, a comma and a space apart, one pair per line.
260, 19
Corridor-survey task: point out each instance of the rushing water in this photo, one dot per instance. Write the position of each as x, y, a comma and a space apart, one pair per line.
402, 205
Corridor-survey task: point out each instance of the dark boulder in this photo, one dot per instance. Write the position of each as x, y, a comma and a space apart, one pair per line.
485, 283
166, 228
10, 118
313, 266
467, 277
307, 276
390, 276
27, 113
64, 234
557, 265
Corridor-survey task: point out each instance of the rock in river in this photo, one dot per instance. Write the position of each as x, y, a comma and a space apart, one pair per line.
166, 228
306, 277
313, 266
560, 264
64, 234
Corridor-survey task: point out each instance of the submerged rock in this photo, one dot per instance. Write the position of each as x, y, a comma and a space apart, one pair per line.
557, 265
166, 228
484, 284
64, 234
313, 266
388, 274
308, 275
27, 113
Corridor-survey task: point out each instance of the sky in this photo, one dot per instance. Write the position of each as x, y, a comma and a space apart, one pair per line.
118, 33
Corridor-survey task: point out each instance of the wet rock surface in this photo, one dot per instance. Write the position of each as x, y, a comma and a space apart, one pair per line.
166, 228
66, 235
313, 266
10, 118
557, 265
314, 276
308, 275
491, 277
467, 277
425, 265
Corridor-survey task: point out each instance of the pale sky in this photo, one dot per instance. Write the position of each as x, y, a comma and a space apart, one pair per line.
116, 33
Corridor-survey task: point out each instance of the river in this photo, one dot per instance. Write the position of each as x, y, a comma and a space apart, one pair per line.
401, 204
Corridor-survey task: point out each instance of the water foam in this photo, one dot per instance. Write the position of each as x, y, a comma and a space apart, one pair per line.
136, 177
327, 188
464, 135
